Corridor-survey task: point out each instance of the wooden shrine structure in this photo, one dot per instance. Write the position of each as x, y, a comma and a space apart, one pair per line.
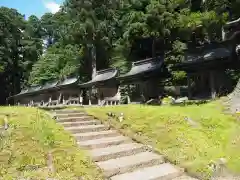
51, 93
103, 88
146, 75
204, 64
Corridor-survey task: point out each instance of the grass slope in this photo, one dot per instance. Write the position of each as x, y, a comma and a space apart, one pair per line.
193, 147
24, 148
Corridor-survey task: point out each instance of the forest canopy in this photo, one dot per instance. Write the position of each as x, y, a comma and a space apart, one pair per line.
89, 35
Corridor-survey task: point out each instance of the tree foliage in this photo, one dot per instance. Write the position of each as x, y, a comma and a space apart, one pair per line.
89, 35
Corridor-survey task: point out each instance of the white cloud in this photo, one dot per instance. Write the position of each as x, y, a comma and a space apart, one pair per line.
52, 6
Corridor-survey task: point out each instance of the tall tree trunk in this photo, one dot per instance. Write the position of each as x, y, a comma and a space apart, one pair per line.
93, 60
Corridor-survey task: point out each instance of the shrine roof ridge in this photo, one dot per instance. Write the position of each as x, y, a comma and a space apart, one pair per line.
46, 86
145, 61
101, 76
106, 70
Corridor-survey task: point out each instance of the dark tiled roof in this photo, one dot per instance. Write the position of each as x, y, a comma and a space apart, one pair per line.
144, 66
103, 75
68, 81
207, 55
48, 85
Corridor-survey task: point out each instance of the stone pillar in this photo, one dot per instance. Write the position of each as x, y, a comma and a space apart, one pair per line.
189, 86
212, 84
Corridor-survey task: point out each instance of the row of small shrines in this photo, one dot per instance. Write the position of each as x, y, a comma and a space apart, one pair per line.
204, 66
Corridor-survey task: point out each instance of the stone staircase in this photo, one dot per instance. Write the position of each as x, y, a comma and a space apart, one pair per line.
118, 156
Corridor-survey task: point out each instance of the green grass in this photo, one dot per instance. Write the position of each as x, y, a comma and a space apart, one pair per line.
31, 136
216, 136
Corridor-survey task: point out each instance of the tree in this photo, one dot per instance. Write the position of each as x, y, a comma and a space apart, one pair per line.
11, 33
93, 27
58, 63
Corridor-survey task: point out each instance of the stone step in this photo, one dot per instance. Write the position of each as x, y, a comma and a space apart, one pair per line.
164, 171
103, 142
71, 115
79, 123
129, 163
68, 111
87, 128
103, 154
95, 135
74, 119
185, 177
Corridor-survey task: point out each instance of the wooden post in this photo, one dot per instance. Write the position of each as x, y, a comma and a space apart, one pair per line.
6, 122
81, 98
59, 98
50, 100
90, 94
212, 84
189, 86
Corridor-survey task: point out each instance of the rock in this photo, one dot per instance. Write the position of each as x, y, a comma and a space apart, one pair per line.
121, 117
181, 100
191, 122
219, 169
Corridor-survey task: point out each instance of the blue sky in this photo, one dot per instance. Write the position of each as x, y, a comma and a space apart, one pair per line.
35, 7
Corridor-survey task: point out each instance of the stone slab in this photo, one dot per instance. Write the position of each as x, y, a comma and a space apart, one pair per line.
96, 135
184, 177
103, 154
129, 163
78, 123
164, 171
86, 128
74, 119
104, 142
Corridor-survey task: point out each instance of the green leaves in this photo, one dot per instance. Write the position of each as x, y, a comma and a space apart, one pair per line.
58, 62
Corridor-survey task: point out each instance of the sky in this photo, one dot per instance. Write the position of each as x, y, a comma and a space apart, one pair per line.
33, 7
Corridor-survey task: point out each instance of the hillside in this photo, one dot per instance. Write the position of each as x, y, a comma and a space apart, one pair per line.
192, 136
32, 140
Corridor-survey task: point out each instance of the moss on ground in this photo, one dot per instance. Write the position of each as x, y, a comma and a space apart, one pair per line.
190, 136
24, 148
